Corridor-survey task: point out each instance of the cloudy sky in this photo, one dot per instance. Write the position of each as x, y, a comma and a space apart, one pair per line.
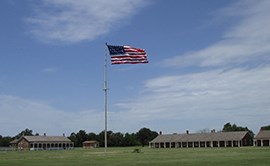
209, 64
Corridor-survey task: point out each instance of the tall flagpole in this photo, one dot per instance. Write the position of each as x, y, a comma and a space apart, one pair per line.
105, 95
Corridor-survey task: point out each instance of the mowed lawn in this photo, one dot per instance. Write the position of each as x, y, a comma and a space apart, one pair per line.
124, 156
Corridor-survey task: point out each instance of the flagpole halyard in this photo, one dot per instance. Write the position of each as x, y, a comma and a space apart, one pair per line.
105, 96
119, 55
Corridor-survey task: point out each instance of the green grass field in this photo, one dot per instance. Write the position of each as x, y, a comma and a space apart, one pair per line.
125, 156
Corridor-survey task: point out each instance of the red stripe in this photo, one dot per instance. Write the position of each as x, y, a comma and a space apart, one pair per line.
132, 49
132, 56
128, 59
129, 56
127, 62
134, 53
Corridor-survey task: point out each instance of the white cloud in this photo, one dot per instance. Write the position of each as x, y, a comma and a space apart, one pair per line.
238, 95
246, 42
233, 87
204, 99
18, 114
71, 21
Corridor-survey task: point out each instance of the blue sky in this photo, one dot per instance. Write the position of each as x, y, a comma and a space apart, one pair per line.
209, 65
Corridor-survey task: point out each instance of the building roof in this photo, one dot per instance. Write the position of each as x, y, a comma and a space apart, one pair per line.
15, 141
196, 137
45, 139
90, 142
263, 134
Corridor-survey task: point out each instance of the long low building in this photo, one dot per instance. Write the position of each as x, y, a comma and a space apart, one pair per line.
262, 138
90, 144
214, 139
42, 143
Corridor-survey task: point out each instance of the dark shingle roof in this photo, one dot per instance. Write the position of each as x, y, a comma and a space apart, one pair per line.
196, 137
46, 139
90, 142
263, 134
14, 141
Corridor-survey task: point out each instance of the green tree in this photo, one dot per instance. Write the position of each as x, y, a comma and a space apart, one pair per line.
130, 140
145, 135
73, 138
142, 137
100, 138
26, 132
228, 127
81, 137
265, 128
115, 139
91, 136
78, 138
4, 141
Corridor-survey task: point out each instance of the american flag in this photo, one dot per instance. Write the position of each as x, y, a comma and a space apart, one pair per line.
127, 55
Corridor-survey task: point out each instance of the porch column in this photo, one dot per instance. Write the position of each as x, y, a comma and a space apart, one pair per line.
261, 142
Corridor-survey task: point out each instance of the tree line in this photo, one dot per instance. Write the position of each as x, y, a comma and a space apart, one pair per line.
5, 141
229, 127
140, 138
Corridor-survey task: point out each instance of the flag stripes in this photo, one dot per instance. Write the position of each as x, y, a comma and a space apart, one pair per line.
127, 55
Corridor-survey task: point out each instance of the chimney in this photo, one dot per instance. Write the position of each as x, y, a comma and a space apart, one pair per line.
44, 134
160, 133
187, 131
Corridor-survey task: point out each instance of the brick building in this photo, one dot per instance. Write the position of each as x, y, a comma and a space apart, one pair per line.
262, 138
90, 144
214, 139
42, 143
